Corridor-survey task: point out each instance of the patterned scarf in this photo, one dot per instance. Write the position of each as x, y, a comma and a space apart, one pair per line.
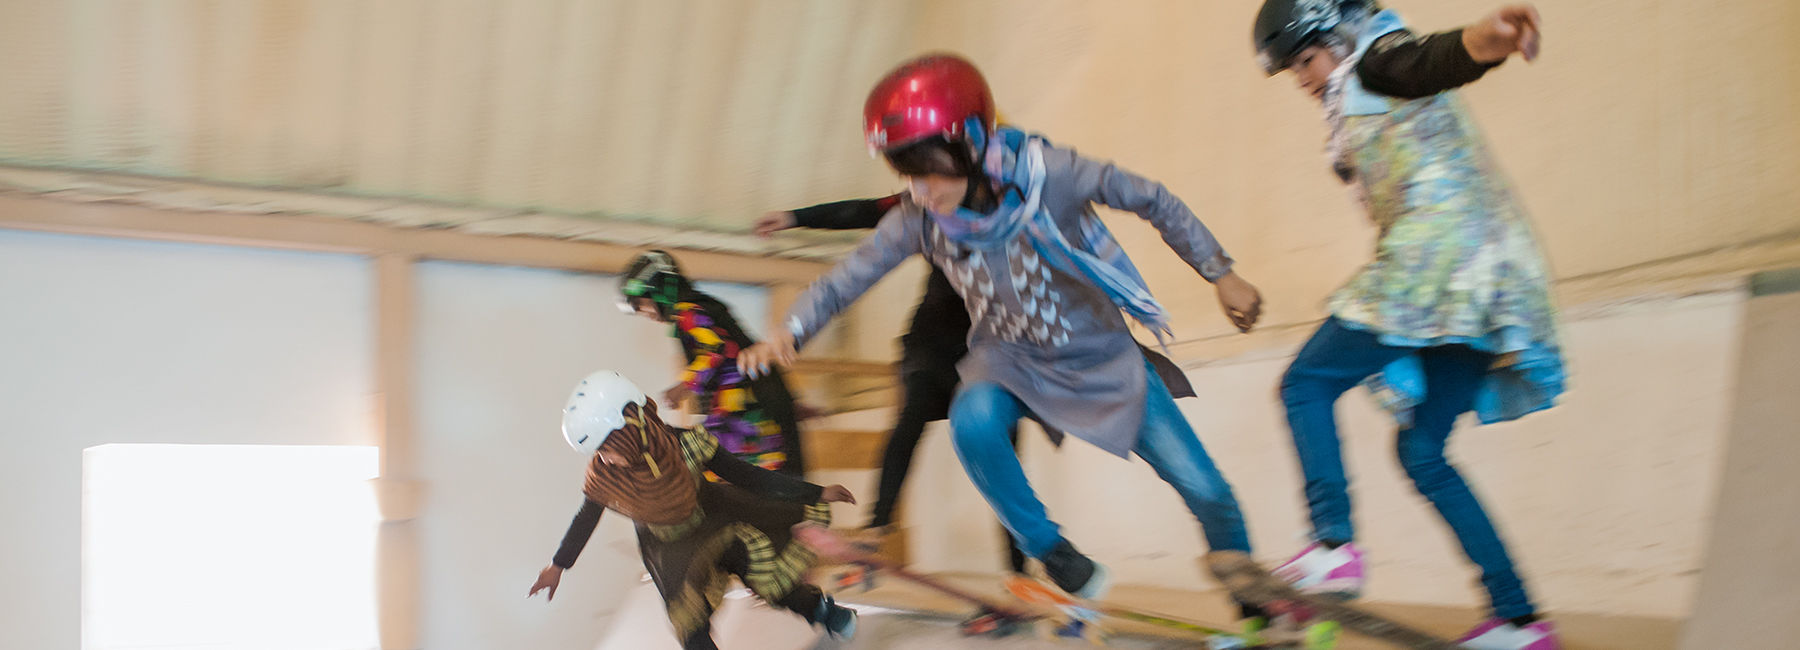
1014, 162
1344, 95
656, 487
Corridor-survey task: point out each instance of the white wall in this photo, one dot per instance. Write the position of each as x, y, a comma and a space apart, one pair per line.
107, 341
110, 341
1747, 597
498, 351
1605, 500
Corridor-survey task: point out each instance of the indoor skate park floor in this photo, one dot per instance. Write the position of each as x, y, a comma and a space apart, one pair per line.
898, 615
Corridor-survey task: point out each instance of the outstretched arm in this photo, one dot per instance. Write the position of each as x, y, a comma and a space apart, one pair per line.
774, 485
897, 238
757, 480
1405, 65
580, 529
854, 214
1105, 183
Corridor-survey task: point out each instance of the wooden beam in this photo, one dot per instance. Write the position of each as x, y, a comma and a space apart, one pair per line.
844, 367
832, 449
334, 235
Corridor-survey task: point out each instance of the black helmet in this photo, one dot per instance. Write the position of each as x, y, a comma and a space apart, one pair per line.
654, 275
1284, 27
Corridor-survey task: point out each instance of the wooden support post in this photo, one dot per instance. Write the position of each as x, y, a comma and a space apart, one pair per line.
397, 490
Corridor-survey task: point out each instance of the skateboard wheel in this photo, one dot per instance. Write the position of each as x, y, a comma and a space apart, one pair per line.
1322, 635
977, 629
987, 624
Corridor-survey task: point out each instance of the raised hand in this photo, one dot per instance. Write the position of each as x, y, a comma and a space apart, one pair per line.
1512, 28
837, 494
772, 222
756, 360
1240, 301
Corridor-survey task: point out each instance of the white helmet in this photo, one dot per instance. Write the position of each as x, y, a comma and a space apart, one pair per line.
597, 408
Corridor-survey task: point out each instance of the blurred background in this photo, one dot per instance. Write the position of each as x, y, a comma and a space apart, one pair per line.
369, 244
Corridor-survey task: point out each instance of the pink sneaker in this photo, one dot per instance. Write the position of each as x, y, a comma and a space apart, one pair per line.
1325, 571
1499, 634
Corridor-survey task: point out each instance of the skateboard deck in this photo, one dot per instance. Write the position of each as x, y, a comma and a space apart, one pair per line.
1322, 636
996, 617
1251, 583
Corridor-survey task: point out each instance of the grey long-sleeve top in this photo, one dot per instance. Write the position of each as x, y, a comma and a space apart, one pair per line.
1040, 328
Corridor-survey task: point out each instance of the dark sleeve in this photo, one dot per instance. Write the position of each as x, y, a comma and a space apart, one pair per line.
1408, 66
761, 481
855, 214
579, 531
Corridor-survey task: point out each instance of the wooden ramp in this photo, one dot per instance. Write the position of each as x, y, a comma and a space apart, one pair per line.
1580, 631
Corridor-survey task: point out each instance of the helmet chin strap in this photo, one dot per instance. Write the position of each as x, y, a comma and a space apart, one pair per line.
643, 428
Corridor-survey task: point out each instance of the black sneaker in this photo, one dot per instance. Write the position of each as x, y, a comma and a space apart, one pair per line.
1247, 611
839, 621
1075, 573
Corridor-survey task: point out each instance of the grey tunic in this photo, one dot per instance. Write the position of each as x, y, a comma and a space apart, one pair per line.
1050, 337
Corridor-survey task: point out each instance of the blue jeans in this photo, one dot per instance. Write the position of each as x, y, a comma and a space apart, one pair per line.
1335, 360
984, 412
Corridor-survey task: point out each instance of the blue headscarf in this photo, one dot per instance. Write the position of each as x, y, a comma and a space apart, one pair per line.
1014, 162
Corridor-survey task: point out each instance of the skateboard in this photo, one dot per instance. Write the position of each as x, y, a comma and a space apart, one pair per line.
1320, 636
1251, 583
993, 618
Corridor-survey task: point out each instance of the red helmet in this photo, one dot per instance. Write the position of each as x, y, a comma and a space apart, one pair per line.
931, 95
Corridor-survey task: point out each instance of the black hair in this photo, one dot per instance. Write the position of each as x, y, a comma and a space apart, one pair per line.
934, 155
944, 157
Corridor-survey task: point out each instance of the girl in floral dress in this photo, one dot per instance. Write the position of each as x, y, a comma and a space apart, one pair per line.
1453, 315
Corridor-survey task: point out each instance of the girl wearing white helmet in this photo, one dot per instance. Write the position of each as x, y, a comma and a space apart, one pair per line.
693, 534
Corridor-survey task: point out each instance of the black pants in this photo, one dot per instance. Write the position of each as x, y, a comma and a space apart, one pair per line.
929, 386
803, 599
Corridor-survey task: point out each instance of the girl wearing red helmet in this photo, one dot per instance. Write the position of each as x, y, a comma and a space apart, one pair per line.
935, 341
1010, 220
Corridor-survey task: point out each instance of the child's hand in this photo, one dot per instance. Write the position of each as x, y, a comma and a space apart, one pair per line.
675, 395
756, 360
837, 494
1513, 28
769, 223
547, 579
1240, 300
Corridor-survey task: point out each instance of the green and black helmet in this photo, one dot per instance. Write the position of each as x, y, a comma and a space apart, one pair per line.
654, 275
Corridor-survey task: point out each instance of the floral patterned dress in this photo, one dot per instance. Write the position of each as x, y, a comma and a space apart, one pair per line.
1456, 261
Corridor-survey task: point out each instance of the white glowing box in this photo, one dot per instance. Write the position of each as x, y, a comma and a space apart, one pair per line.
228, 546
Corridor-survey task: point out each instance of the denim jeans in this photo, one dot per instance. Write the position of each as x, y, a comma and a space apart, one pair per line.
1335, 360
984, 412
